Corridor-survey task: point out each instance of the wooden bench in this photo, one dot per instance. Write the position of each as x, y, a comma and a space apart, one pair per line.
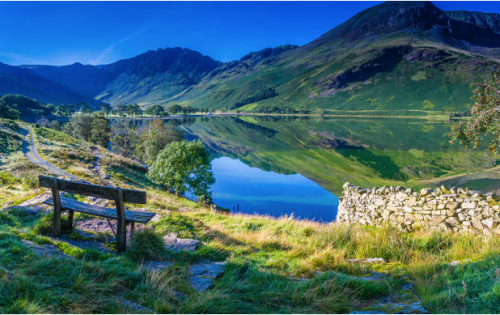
120, 196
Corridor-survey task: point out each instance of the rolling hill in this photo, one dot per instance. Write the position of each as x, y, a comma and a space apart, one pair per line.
393, 56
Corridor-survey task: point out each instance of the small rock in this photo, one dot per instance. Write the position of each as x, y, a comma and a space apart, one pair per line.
44, 250
488, 222
454, 263
135, 306
353, 260
374, 260
5, 272
172, 242
294, 279
156, 266
203, 274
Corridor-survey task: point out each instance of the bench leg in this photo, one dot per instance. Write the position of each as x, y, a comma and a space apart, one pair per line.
132, 229
121, 226
70, 218
56, 221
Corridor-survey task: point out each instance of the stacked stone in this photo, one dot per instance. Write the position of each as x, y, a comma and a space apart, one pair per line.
458, 210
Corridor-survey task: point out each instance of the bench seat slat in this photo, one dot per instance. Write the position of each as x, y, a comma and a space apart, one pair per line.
130, 216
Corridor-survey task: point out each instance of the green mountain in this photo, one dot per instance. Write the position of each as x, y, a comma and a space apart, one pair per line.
397, 55
408, 56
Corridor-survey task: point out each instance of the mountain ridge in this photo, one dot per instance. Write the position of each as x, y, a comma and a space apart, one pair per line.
414, 41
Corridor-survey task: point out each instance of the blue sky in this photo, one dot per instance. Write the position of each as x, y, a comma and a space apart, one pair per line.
60, 33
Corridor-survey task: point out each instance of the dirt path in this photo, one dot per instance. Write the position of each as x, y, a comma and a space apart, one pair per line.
31, 153
97, 166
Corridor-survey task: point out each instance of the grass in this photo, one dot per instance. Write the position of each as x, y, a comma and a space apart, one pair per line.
265, 256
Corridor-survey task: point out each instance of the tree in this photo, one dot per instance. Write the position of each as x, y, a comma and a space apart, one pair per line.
123, 137
26, 106
43, 122
101, 131
55, 125
154, 138
156, 110
8, 112
184, 167
174, 109
106, 109
85, 109
80, 127
485, 115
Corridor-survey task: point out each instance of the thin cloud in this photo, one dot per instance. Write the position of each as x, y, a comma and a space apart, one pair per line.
242, 43
19, 59
110, 48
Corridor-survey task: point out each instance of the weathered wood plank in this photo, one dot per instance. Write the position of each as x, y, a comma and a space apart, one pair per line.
131, 196
121, 226
130, 216
56, 202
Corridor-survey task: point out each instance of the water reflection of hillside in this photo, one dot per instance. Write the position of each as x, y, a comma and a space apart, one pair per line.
330, 151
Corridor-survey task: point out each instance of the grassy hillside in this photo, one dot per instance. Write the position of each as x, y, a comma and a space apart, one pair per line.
273, 265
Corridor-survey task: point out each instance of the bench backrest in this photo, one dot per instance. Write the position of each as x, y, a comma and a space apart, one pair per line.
131, 196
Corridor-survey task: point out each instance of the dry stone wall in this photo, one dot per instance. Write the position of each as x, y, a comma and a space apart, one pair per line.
458, 210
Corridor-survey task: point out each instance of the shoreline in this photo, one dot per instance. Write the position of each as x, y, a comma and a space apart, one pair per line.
430, 117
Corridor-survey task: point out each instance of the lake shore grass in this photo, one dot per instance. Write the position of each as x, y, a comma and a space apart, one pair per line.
273, 266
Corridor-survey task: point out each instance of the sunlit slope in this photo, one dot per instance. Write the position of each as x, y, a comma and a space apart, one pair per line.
409, 56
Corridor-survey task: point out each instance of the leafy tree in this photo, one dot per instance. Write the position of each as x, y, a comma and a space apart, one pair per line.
85, 109
175, 109
154, 138
183, 167
101, 131
80, 127
8, 112
26, 106
156, 110
485, 115
55, 125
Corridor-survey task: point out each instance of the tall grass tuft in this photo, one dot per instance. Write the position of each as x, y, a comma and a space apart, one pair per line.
146, 245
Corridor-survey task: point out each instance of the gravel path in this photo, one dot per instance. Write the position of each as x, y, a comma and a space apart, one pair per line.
31, 153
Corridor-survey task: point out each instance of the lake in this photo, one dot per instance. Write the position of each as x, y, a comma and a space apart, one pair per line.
297, 165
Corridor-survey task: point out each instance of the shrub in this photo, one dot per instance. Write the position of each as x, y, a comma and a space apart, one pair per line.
183, 167
7, 179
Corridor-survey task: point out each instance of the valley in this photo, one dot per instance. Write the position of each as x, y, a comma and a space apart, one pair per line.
429, 55
357, 173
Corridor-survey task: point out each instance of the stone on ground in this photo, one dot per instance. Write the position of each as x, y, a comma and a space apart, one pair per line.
156, 266
135, 306
374, 260
203, 274
173, 242
6, 273
45, 250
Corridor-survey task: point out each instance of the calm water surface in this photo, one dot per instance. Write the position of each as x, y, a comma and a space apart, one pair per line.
252, 190
288, 165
